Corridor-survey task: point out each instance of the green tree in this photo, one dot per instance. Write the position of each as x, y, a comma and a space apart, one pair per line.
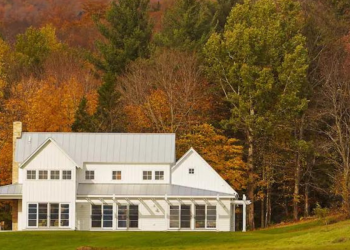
260, 62
187, 25
223, 9
83, 120
34, 47
127, 31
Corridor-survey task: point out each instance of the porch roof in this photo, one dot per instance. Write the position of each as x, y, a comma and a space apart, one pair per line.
13, 191
141, 190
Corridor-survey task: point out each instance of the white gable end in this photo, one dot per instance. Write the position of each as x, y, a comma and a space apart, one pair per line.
204, 176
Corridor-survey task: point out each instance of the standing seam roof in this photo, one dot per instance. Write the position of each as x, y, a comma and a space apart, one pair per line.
103, 147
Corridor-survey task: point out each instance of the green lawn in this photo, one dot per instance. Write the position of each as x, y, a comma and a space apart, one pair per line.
308, 235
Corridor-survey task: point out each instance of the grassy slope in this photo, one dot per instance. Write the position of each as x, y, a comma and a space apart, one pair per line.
309, 235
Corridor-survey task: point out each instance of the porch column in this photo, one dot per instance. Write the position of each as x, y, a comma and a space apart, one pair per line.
14, 215
244, 214
234, 218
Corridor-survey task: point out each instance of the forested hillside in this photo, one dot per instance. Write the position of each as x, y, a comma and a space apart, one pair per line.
260, 88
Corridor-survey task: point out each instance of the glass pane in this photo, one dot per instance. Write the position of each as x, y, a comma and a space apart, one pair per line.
96, 216
107, 215
32, 215
174, 216
122, 216
42, 222
133, 216
32, 223
200, 216
64, 215
185, 216
211, 216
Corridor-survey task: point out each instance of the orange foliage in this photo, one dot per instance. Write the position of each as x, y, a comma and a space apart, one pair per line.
222, 153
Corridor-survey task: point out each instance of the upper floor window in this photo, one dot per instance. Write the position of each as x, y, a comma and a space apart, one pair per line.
191, 170
43, 175
89, 175
159, 175
117, 175
66, 175
55, 175
147, 175
31, 175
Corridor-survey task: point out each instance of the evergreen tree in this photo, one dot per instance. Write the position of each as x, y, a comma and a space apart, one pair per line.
261, 63
187, 25
127, 31
83, 121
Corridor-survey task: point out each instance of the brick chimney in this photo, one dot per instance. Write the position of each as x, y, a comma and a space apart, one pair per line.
17, 133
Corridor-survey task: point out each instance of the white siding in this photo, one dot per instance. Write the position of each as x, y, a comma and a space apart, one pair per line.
50, 157
83, 216
204, 177
131, 173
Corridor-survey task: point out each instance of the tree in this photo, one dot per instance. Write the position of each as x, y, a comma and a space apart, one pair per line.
222, 153
223, 9
187, 25
260, 63
127, 34
82, 119
34, 47
167, 93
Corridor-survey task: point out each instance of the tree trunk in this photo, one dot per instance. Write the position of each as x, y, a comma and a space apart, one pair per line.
263, 212
268, 207
306, 205
345, 191
251, 181
299, 136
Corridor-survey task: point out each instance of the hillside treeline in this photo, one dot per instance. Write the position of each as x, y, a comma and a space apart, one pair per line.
260, 88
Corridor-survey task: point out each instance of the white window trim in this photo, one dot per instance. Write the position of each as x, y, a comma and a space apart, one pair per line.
36, 175
90, 171
206, 217
71, 175
127, 217
48, 175
155, 178
151, 175
121, 175
59, 175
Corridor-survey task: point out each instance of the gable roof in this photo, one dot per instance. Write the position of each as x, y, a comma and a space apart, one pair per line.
102, 147
47, 141
192, 151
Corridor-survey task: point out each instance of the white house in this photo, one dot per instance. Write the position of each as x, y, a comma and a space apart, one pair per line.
115, 181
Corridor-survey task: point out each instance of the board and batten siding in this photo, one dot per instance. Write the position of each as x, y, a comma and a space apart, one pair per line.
131, 173
49, 157
204, 177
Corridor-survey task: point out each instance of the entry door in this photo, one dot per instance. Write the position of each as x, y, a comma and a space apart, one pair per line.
185, 216
102, 216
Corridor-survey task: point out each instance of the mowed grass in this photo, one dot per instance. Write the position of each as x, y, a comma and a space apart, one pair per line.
307, 235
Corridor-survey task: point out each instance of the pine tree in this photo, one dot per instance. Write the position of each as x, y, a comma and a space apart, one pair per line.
83, 121
127, 37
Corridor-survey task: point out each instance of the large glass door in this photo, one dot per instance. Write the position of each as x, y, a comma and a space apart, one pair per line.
54, 215
133, 216
42, 222
185, 216
107, 216
200, 216
96, 216
122, 216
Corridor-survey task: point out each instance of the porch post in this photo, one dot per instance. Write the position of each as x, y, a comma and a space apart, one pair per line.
234, 217
244, 214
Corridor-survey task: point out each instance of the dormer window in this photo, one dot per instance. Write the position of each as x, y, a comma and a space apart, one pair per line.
89, 175
191, 170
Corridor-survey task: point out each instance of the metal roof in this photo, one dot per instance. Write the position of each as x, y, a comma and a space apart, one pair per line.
14, 189
145, 190
103, 147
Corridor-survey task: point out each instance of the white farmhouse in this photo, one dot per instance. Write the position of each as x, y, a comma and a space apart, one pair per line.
115, 181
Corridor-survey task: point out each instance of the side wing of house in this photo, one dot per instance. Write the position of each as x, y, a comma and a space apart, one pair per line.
49, 184
193, 171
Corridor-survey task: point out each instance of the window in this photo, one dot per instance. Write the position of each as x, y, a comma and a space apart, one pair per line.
211, 216
102, 216
42, 222
180, 216
54, 215
128, 217
159, 175
66, 175
31, 175
147, 175
117, 175
191, 171
48, 215
64, 215
43, 175
55, 175
174, 216
205, 216
32, 215
89, 175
